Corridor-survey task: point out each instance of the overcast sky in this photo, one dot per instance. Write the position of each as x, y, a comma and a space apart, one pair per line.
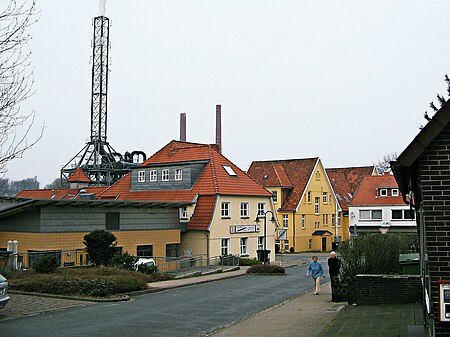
345, 81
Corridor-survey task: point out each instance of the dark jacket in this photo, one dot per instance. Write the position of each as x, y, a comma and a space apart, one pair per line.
334, 264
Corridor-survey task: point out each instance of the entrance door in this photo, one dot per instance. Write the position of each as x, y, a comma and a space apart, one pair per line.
324, 244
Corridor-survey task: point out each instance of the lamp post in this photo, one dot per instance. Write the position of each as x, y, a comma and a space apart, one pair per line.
265, 253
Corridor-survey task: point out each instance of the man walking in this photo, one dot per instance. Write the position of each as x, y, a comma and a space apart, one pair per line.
334, 266
315, 270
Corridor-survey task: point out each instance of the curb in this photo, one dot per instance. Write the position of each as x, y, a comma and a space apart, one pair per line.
118, 298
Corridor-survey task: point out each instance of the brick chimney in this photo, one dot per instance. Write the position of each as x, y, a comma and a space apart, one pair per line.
219, 127
182, 127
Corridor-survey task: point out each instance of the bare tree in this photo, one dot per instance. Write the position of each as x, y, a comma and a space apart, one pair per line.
16, 78
384, 164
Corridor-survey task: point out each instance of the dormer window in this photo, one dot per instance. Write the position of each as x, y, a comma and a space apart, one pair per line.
165, 175
394, 192
383, 192
229, 170
178, 174
275, 196
141, 176
184, 212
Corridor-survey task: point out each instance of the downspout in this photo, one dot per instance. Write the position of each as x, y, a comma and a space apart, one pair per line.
293, 239
207, 245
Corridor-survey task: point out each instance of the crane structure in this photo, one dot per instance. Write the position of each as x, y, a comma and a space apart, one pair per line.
98, 159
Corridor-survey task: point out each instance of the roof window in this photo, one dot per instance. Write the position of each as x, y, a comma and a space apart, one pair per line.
229, 170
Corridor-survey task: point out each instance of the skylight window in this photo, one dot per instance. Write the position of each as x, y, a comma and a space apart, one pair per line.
229, 170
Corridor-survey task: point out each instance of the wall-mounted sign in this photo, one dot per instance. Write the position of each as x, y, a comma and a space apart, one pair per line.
235, 229
282, 234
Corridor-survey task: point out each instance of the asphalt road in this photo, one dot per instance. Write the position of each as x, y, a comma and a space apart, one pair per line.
189, 311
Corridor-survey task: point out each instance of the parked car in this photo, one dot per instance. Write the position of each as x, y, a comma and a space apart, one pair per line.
4, 298
146, 261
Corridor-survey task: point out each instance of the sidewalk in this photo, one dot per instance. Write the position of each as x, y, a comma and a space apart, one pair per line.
306, 315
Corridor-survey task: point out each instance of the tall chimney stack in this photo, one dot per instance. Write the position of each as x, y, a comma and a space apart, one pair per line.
219, 127
182, 127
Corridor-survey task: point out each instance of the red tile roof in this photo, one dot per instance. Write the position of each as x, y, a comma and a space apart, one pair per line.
367, 193
345, 182
203, 214
213, 179
60, 193
292, 173
79, 176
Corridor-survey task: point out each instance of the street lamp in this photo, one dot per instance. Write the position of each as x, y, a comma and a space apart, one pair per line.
265, 253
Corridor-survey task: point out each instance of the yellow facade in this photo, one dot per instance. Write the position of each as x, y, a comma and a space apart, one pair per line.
316, 211
222, 228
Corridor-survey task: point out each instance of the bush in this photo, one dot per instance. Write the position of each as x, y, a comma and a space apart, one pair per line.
100, 246
148, 269
45, 264
123, 261
97, 288
292, 250
266, 269
248, 262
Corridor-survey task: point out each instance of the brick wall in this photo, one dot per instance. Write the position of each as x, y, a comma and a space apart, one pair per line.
388, 289
434, 181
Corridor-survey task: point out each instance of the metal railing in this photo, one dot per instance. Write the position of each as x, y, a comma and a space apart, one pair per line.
177, 266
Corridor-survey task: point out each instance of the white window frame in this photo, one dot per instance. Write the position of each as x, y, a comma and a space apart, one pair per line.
376, 210
229, 170
261, 209
225, 209
286, 244
275, 196
394, 192
244, 210
316, 205
153, 175
285, 221
243, 246
324, 197
178, 174
224, 246
260, 242
309, 197
303, 221
141, 176
165, 175
370, 214
383, 192
184, 212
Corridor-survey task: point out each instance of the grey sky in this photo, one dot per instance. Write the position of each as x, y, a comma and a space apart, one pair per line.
346, 81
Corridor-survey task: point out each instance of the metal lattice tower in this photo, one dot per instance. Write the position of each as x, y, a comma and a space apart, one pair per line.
98, 159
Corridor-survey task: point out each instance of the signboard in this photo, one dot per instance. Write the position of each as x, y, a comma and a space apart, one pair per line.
282, 234
235, 229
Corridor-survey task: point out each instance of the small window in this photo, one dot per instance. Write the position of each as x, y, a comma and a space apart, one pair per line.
317, 175
397, 214
303, 221
165, 175
324, 197
309, 197
178, 174
225, 247
260, 242
244, 209
244, 246
153, 175
112, 220
229, 170
332, 220
394, 192
275, 196
184, 212
316, 205
171, 250
144, 250
141, 176
225, 210
408, 214
310, 243
383, 192
377, 214
261, 208
286, 244
364, 214
285, 221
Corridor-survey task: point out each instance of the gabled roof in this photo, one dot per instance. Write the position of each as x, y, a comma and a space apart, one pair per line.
367, 193
213, 180
78, 176
60, 193
403, 167
292, 173
345, 182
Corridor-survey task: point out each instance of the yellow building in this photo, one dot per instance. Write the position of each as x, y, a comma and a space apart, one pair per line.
345, 182
304, 200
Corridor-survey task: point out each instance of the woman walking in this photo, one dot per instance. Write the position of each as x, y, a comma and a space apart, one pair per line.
315, 270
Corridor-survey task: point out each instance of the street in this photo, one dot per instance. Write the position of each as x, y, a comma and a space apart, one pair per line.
189, 311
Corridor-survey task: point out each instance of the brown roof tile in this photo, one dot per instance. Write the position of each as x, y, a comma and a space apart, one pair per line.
367, 194
203, 213
60, 193
79, 176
